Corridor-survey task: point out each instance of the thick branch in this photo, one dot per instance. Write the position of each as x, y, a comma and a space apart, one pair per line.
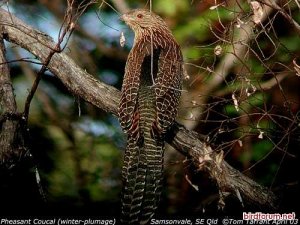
12, 148
193, 145
8, 126
7, 99
106, 97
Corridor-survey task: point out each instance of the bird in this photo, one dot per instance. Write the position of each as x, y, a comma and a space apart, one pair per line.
148, 107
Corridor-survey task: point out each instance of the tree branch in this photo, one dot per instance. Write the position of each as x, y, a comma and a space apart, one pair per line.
106, 97
7, 100
9, 121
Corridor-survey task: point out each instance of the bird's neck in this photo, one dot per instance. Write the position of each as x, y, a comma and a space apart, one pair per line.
157, 37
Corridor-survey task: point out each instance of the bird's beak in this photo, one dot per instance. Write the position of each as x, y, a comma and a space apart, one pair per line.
123, 17
126, 18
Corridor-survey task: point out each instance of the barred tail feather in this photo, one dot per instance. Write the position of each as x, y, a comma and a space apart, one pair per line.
142, 180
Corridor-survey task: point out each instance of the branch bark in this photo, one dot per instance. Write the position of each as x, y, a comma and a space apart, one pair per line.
103, 96
11, 147
15, 160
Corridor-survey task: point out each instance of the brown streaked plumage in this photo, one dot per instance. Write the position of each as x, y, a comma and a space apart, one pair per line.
148, 107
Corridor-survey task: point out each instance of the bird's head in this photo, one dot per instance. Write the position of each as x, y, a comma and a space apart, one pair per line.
139, 20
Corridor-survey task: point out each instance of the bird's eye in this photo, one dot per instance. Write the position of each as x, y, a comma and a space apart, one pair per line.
140, 16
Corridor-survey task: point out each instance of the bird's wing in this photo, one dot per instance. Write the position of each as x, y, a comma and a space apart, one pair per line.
168, 86
128, 114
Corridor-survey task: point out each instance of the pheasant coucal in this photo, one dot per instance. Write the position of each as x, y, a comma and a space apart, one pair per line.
148, 107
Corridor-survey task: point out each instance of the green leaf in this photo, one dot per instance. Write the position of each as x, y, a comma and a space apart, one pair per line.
261, 149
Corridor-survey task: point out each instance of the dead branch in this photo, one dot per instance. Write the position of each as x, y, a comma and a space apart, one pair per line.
103, 96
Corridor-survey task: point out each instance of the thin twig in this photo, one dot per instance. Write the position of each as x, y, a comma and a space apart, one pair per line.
70, 19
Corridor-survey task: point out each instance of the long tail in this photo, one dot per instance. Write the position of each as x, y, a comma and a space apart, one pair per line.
142, 179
